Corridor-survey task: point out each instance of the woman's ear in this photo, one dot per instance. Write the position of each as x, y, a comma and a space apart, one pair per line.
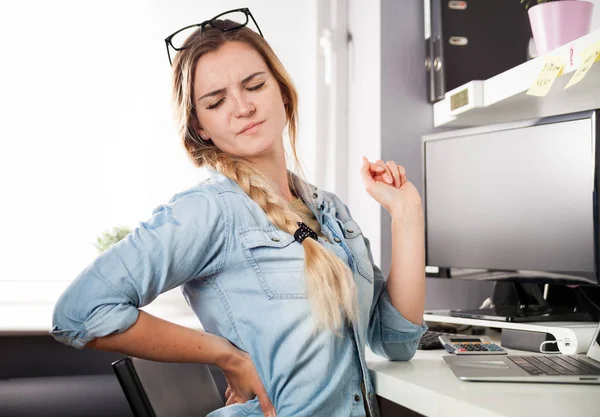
199, 130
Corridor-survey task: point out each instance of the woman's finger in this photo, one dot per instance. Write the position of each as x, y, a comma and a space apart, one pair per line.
265, 403
375, 170
402, 172
228, 391
375, 167
386, 174
365, 173
395, 173
230, 400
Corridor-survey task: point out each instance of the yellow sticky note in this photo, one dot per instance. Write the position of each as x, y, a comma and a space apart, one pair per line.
553, 67
589, 55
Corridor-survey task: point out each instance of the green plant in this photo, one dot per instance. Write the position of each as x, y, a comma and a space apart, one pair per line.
109, 238
530, 3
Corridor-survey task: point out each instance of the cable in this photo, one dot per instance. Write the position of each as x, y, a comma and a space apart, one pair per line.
588, 298
487, 303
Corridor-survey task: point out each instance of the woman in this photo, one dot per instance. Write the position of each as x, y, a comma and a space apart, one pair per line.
278, 273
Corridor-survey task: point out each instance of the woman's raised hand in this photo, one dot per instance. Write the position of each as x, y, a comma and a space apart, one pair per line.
388, 185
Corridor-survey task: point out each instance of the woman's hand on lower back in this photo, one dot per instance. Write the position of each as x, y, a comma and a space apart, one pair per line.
244, 383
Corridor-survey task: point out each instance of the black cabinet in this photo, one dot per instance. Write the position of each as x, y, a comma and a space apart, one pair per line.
473, 40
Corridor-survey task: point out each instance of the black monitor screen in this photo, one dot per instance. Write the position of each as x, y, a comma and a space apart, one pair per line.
514, 199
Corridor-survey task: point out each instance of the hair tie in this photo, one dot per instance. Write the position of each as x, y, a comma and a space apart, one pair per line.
303, 232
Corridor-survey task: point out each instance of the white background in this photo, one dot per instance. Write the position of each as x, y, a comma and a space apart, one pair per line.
87, 135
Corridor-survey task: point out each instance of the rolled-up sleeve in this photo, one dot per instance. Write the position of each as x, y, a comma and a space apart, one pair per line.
389, 334
183, 239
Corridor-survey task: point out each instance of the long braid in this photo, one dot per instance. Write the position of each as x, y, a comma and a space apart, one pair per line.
259, 190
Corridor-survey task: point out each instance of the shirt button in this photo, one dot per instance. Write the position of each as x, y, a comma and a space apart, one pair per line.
315, 195
337, 240
275, 239
357, 398
349, 230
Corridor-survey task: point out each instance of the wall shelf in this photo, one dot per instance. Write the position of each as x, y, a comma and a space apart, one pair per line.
504, 97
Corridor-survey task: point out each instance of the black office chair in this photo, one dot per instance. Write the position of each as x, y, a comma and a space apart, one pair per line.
161, 389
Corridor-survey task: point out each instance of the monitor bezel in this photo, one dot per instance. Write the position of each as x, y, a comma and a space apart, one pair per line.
571, 277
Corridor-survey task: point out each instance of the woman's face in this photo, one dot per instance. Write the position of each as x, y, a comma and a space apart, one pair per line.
238, 102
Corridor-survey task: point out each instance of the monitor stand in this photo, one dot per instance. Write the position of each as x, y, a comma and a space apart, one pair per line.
524, 302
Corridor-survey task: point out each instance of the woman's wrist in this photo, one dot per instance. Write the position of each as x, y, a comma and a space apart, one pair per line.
227, 356
411, 215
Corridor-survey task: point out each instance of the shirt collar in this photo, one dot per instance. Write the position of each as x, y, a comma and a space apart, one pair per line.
308, 193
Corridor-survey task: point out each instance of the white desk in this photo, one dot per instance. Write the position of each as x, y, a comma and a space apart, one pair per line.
426, 385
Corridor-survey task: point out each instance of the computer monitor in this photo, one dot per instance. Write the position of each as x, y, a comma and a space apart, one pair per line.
515, 202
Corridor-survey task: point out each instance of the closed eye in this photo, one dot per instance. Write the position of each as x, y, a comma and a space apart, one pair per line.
253, 88
256, 87
215, 105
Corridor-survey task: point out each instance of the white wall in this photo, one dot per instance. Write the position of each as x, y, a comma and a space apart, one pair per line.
364, 113
596, 15
87, 135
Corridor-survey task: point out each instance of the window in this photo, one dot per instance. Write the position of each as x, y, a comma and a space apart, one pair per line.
88, 139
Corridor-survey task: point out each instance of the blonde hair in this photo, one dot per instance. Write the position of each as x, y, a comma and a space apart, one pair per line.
329, 282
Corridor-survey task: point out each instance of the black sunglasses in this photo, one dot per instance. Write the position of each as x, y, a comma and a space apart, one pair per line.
239, 17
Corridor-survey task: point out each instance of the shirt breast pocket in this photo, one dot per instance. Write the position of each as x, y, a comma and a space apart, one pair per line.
356, 243
277, 261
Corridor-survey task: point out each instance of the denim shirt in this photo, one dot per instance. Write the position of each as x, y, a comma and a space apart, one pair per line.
244, 279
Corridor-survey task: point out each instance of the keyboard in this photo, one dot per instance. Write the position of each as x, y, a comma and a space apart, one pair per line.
554, 365
430, 340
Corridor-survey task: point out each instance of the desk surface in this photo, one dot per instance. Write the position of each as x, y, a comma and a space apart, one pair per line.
426, 385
